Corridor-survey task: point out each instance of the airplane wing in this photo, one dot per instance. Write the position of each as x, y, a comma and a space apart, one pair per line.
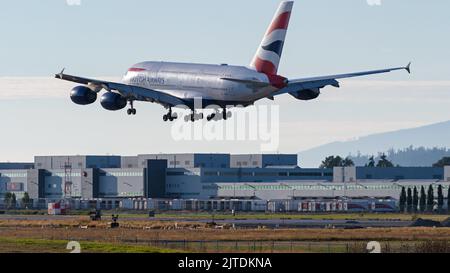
128, 91
297, 85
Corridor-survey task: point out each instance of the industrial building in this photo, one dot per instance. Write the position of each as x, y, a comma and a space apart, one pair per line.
208, 177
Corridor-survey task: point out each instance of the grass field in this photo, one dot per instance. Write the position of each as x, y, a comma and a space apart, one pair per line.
153, 235
18, 245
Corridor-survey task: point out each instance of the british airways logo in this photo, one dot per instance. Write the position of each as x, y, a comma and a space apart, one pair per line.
144, 79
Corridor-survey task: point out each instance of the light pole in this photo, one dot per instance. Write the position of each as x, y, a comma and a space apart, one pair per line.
290, 187
344, 181
254, 189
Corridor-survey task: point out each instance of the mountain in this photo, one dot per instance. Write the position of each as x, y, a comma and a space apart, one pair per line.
430, 136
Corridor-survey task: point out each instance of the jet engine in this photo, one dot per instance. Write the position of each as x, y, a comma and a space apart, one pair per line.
113, 101
83, 95
307, 94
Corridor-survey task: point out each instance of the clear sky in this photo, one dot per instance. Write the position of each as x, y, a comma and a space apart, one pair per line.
102, 38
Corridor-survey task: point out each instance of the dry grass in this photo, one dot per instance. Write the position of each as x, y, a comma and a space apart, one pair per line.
76, 222
206, 234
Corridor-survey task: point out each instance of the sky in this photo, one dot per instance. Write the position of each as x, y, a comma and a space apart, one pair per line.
103, 38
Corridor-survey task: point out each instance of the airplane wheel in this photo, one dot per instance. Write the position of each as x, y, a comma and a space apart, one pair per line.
134, 111
129, 111
165, 118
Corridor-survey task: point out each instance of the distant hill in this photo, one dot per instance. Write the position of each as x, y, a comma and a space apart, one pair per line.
430, 136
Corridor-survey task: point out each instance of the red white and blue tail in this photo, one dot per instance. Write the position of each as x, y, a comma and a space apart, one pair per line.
268, 56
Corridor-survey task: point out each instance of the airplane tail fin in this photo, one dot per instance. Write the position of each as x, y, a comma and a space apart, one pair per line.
267, 57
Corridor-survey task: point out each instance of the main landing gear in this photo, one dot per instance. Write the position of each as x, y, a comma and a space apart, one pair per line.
218, 116
170, 116
131, 110
193, 117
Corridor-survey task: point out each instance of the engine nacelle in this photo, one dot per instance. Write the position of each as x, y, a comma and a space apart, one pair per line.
113, 101
83, 95
307, 94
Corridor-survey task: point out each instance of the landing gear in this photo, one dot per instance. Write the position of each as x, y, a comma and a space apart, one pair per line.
170, 116
193, 117
131, 110
219, 116
214, 116
226, 115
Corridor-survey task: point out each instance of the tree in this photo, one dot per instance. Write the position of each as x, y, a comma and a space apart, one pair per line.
423, 199
409, 200
430, 198
384, 162
415, 199
402, 200
336, 161
440, 199
448, 199
26, 200
445, 161
348, 162
10, 200
371, 163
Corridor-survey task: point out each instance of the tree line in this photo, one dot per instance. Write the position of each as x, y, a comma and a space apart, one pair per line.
411, 202
410, 156
383, 162
10, 200
337, 161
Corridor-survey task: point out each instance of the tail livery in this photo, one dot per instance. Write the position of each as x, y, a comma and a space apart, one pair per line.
268, 55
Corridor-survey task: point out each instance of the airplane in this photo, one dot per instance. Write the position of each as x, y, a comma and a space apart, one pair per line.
218, 86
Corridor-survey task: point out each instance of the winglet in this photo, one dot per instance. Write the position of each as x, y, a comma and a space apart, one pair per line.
61, 74
408, 68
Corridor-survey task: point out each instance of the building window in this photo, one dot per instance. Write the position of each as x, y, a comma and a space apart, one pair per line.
187, 162
255, 163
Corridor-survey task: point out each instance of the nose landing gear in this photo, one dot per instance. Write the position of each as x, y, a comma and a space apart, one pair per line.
131, 110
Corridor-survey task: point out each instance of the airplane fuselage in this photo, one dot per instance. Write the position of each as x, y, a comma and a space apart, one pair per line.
189, 81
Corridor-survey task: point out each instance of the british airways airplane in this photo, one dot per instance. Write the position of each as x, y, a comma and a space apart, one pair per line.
217, 86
